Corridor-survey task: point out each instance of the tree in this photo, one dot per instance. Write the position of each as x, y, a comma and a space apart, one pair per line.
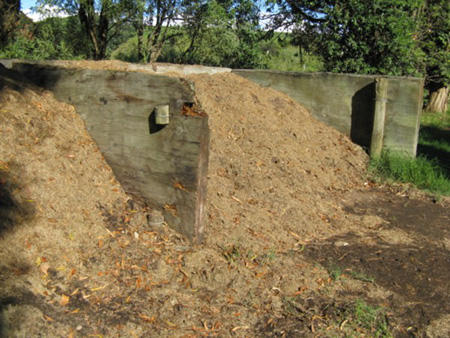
9, 17
101, 19
224, 33
392, 37
212, 40
51, 38
434, 37
371, 37
360, 36
162, 14
212, 32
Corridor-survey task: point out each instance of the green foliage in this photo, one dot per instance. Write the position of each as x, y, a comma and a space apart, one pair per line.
438, 120
53, 38
288, 59
361, 276
335, 271
211, 37
9, 19
370, 318
421, 172
430, 171
434, 39
225, 33
369, 37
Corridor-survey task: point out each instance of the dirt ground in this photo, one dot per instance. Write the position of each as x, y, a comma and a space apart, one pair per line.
299, 242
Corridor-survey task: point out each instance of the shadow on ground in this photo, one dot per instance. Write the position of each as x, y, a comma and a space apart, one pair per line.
430, 135
415, 275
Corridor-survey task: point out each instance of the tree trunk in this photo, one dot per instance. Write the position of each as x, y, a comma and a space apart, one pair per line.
103, 28
96, 26
140, 38
438, 100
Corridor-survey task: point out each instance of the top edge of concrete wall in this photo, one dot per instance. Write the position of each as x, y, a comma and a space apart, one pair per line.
172, 68
114, 65
419, 79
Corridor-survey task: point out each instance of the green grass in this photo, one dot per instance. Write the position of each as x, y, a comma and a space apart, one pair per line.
430, 170
371, 318
421, 172
288, 60
362, 276
335, 271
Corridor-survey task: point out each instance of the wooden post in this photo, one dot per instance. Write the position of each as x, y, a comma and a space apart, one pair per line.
376, 144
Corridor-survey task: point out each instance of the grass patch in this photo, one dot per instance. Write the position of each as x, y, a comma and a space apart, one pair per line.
335, 271
430, 170
421, 172
371, 318
434, 139
288, 60
362, 276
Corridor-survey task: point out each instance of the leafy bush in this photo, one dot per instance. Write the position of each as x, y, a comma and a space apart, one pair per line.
52, 38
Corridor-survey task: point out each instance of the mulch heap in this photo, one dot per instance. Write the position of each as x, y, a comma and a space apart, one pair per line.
79, 259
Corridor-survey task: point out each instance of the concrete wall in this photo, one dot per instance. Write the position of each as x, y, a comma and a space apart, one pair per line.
166, 166
346, 102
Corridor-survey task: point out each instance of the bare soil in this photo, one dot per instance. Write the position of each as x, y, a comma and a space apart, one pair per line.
296, 237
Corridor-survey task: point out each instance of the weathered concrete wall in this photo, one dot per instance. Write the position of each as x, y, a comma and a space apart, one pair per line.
165, 165
346, 102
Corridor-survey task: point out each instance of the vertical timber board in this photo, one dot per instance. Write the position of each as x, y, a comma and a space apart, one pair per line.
403, 110
165, 167
379, 119
346, 103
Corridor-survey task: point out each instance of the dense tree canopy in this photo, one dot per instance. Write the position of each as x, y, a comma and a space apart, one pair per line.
392, 37
358, 36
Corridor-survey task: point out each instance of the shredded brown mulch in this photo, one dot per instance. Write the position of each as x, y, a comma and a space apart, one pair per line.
79, 259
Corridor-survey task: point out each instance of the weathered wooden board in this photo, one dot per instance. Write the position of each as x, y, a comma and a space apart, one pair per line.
152, 163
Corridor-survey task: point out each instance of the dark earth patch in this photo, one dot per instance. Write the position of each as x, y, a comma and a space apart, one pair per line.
416, 274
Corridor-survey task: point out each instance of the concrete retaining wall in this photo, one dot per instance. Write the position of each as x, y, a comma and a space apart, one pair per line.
167, 166
346, 102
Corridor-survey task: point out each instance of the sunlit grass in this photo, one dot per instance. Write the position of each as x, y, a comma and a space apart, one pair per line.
288, 60
421, 172
430, 170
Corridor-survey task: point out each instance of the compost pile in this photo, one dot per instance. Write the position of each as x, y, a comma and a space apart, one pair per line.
79, 259
274, 169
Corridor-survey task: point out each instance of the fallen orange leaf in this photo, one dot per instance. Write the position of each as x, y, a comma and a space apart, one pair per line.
64, 300
180, 186
44, 268
147, 319
48, 318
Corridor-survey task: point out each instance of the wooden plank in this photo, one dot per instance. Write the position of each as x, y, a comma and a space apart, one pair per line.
376, 145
